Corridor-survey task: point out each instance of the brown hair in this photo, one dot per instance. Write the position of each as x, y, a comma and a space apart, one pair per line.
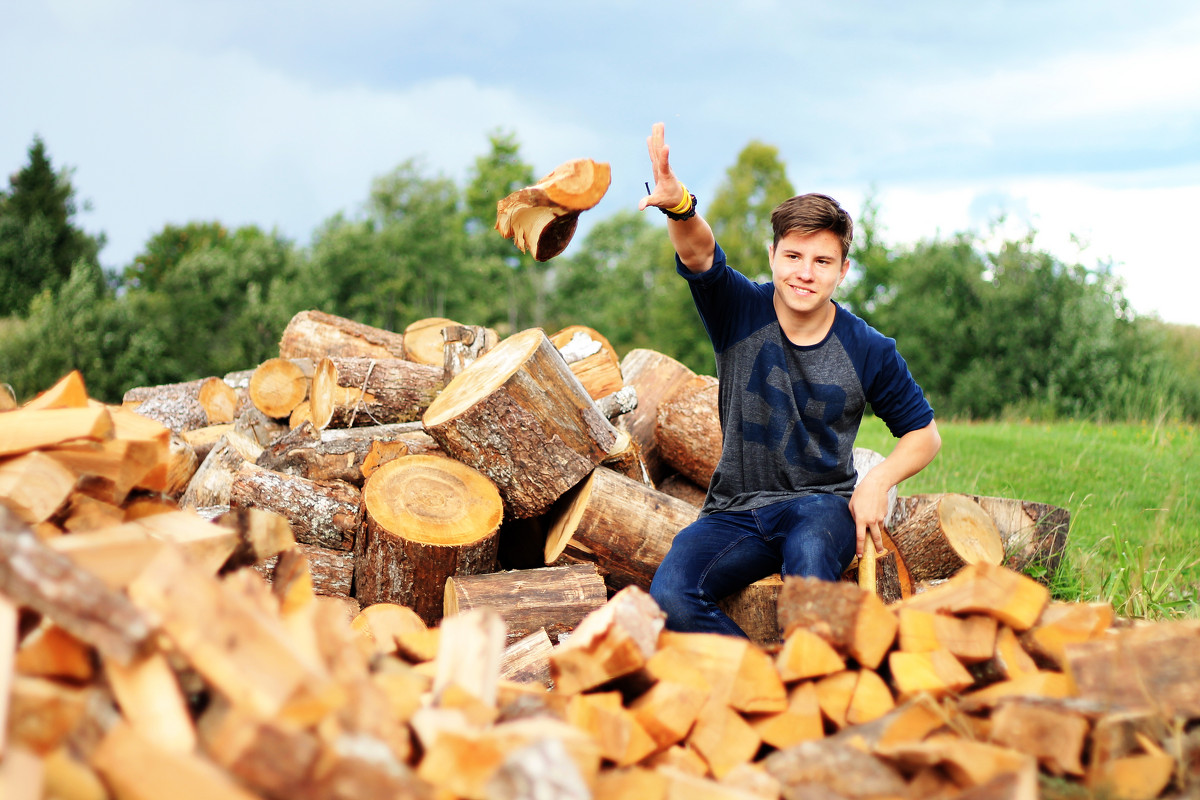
809, 213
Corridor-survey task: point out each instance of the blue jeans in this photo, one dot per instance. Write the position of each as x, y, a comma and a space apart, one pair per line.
811, 535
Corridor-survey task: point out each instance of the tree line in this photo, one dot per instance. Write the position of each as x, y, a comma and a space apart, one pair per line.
988, 330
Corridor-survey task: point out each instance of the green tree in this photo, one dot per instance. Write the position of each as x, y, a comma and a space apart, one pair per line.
740, 212
167, 248
39, 241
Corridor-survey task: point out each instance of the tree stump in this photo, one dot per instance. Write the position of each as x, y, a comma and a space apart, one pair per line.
349, 392
553, 599
315, 335
688, 429
947, 535
427, 518
655, 376
520, 417
621, 525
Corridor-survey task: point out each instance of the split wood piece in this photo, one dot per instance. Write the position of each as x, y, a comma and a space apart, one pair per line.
49, 651
1122, 734
427, 518
969, 764
259, 535
213, 479
462, 345
855, 622
424, 342
621, 525
152, 701
1010, 658
110, 470
38, 578
540, 769
667, 710
1053, 735
341, 453
7, 400
1010, 597
950, 533
682, 488
723, 738
800, 722
871, 700
614, 640
469, 654
349, 392
1062, 624
626, 458
670, 782
528, 660
834, 693
22, 775
279, 385
679, 760
8, 647
755, 609
806, 655
554, 599
970, 639
243, 652
1153, 667
592, 358
889, 573
655, 376
115, 555
332, 571
23, 430
1137, 777
315, 335
937, 672
381, 623
835, 768
1053, 685
737, 672
68, 392
688, 429
327, 514
521, 418
34, 486
138, 768
617, 731
541, 219
301, 414
44, 715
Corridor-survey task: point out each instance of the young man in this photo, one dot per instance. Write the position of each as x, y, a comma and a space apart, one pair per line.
796, 371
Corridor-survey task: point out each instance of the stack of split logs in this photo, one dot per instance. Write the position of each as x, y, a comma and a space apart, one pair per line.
415, 565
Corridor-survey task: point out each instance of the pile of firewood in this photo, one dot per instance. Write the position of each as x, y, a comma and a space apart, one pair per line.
413, 564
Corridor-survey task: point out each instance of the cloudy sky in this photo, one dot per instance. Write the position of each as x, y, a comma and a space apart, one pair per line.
1078, 118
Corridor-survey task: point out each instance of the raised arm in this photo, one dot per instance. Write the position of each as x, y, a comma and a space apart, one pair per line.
692, 238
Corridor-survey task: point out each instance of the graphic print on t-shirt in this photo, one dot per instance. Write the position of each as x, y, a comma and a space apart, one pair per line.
808, 442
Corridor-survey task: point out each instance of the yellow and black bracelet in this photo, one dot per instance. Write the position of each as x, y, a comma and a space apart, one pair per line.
686, 208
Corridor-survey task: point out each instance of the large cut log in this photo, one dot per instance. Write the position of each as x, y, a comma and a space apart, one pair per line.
323, 513
655, 376
621, 525
427, 518
184, 406
541, 219
945, 536
688, 429
339, 454
553, 599
592, 359
278, 385
755, 609
315, 335
520, 417
371, 391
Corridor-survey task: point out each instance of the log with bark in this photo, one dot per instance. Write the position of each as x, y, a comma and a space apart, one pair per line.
541, 219
278, 385
315, 335
519, 416
945, 536
592, 359
323, 513
688, 429
341, 453
349, 392
655, 376
427, 518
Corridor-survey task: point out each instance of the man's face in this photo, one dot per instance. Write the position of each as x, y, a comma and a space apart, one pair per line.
805, 269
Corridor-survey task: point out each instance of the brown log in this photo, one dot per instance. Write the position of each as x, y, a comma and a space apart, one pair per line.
683, 488
626, 458
621, 525
315, 335
541, 219
855, 622
654, 376
950, 533
688, 429
213, 479
203, 440
755, 610
365, 391
340, 453
256, 426
218, 399
278, 385
592, 359
462, 347
323, 513
554, 599
427, 518
521, 418
175, 405
528, 660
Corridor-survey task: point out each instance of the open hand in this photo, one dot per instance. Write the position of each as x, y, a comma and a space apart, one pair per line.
668, 191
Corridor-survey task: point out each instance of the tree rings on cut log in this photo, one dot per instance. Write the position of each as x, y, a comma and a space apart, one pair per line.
278, 385
424, 342
349, 392
519, 416
621, 525
427, 518
947, 535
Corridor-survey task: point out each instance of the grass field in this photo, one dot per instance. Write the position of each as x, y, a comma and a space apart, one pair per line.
1133, 491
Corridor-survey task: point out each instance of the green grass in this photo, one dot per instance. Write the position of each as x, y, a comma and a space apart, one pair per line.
1133, 491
